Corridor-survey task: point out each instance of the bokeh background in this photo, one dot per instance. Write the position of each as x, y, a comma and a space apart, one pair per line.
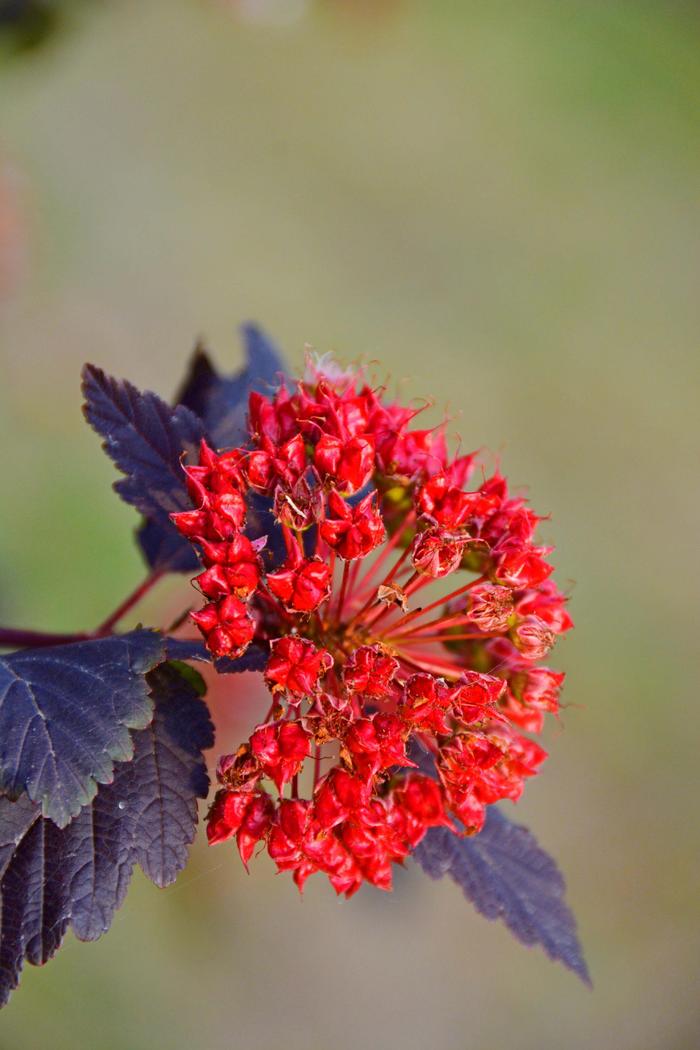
499, 202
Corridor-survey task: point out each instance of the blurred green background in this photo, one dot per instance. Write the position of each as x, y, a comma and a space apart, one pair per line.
502, 203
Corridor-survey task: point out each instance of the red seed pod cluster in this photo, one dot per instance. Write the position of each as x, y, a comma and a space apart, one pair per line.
367, 669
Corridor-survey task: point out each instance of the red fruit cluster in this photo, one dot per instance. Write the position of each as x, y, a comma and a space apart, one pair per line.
367, 669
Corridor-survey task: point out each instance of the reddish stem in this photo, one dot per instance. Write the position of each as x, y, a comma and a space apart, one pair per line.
288, 536
373, 601
129, 602
446, 637
439, 601
325, 617
11, 636
388, 548
390, 608
343, 591
270, 711
353, 577
440, 621
273, 603
426, 662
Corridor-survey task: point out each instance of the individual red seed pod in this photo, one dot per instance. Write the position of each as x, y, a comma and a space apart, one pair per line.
290, 461
348, 464
226, 814
245, 814
260, 470
437, 552
302, 584
227, 514
280, 748
227, 626
297, 666
532, 693
533, 637
547, 602
300, 506
426, 703
376, 743
353, 532
539, 687
254, 826
421, 800
234, 568
194, 525
266, 417
370, 670
338, 795
490, 607
475, 697
524, 567
522, 758
462, 765
445, 503
413, 453
328, 854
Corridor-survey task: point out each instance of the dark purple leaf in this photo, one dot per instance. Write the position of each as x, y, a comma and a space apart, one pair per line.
188, 649
146, 439
222, 401
262, 522
165, 549
51, 878
507, 875
253, 659
77, 875
65, 716
169, 775
15, 818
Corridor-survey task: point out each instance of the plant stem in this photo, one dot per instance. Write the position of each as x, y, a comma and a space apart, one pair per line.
438, 601
343, 591
11, 636
133, 599
388, 548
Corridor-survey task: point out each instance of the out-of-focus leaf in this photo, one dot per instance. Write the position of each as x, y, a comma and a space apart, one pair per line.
507, 875
221, 401
28, 23
65, 716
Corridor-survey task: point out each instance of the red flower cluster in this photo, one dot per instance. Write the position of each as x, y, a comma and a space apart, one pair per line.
365, 671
